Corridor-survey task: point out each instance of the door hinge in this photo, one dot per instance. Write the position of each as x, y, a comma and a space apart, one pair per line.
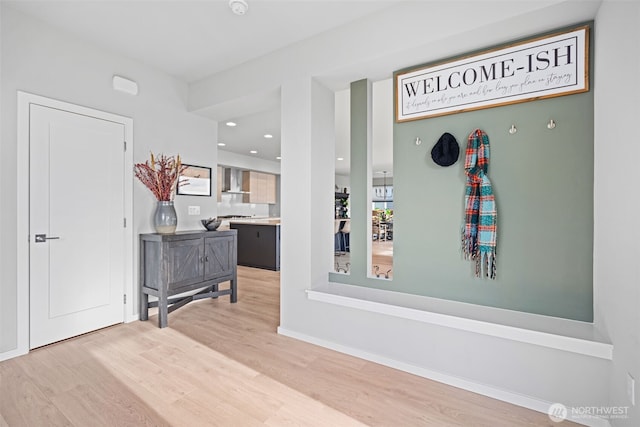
124, 300
124, 222
125, 145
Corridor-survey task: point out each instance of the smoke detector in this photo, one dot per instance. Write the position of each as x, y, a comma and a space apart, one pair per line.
239, 7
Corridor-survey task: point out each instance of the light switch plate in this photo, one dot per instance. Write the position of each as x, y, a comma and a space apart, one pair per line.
194, 210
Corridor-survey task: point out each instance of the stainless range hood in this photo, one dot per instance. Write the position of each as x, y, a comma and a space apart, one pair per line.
232, 181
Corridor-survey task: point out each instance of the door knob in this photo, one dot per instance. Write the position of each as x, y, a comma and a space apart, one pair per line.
41, 238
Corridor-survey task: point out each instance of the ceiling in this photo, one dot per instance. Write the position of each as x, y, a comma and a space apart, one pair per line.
192, 40
195, 39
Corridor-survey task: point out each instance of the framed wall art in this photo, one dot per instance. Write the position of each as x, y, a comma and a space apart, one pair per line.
195, 181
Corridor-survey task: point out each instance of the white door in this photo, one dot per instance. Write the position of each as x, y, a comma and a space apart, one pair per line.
76, 230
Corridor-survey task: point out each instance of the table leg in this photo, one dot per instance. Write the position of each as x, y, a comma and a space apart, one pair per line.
234, 289
144, 306
163, 309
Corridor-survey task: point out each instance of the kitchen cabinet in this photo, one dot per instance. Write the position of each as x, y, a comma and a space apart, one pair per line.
258, 245
261, 187
270, 189
172, 264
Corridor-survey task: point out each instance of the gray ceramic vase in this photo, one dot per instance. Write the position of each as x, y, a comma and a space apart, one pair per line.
165, 219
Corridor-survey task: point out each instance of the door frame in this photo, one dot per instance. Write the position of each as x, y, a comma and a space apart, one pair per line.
25, 99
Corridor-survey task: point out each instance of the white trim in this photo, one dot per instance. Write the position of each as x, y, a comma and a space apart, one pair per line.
130, 285
131, 317
12, 353
538, 405
22, 246
22, 210
545, 331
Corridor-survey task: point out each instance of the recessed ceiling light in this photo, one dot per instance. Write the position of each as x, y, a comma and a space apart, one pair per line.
268, 135
221, 144
253, 152
278, 158
231, 124
340, 158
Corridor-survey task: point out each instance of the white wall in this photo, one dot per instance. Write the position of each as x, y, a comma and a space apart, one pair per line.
342, 182
8, 337
616, 268
227, 158
39, 59
307, 147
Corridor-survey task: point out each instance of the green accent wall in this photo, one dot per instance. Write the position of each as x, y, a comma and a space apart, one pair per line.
543, 182
360, 119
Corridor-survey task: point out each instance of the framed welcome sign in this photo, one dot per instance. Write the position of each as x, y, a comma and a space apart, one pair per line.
538, 68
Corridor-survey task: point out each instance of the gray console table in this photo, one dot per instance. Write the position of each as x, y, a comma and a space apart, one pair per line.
172, 264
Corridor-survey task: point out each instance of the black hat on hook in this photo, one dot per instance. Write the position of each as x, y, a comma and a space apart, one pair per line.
446, 150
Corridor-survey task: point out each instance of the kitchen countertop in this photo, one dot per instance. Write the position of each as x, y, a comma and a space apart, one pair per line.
253, 221
256, 221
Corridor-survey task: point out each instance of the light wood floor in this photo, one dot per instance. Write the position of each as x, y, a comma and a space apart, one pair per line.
381, 259
222, 364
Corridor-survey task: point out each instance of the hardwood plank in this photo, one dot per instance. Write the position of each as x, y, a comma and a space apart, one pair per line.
222, 364
52, 375
208, 413
106, 403
320, 417
377, 390
146, 378
22, 402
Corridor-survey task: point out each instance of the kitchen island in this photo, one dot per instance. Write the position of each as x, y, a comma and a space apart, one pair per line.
258, 242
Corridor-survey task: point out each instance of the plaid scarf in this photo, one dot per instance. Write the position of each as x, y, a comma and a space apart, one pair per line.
480, 223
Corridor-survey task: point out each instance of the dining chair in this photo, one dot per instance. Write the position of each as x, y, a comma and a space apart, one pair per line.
375, 227
346, 230
337, 239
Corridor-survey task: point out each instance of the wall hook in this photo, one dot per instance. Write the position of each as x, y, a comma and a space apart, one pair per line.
551, 124
513, 129
418, 140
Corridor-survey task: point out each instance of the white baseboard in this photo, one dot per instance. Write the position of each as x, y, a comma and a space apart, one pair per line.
11, 354
483, 389
131, 318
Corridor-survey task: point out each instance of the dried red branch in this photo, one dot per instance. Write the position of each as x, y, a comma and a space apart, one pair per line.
160, 175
